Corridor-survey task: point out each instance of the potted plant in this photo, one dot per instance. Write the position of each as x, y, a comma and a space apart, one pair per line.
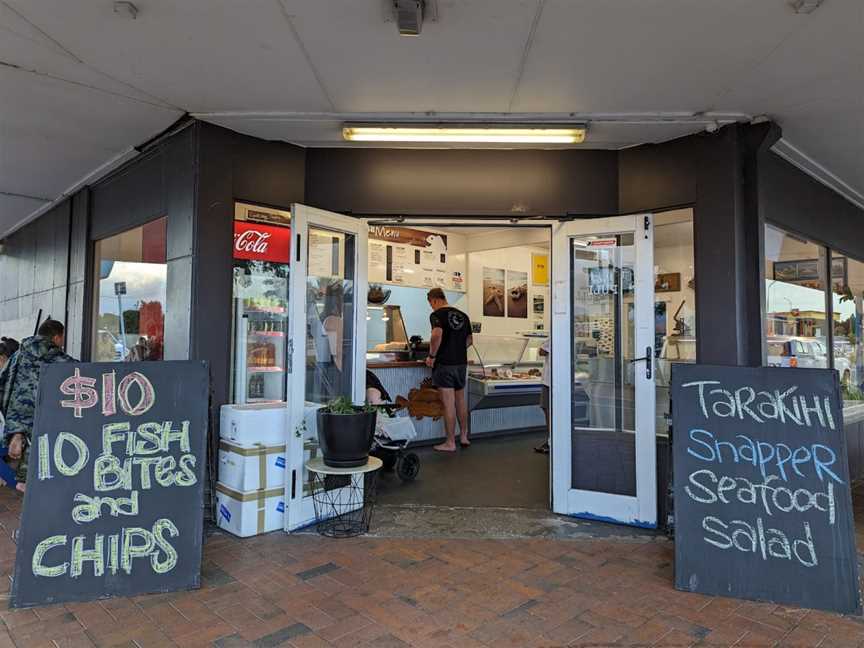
345, 432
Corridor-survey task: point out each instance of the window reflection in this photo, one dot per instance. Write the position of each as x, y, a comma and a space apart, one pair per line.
796, 324
847, 295
129, 322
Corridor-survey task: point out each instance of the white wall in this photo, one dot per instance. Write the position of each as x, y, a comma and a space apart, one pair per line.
511, 258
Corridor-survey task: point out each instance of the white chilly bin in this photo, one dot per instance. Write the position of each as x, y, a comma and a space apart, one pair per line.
255, 424
246, 468
249, 513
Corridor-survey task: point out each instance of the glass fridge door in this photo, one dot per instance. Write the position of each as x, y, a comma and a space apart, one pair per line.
260, 331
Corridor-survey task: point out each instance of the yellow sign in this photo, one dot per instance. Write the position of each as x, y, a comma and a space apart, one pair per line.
540, 269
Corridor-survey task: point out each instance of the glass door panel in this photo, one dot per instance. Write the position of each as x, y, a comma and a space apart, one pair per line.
604, 399
330, 311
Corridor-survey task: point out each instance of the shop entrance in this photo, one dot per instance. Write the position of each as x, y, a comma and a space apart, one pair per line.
586, 287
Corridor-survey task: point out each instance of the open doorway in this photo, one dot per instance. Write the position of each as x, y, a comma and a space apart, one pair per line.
499, 277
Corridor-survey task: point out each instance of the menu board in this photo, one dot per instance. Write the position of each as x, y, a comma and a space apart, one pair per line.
763, 507
114, 499
411, 257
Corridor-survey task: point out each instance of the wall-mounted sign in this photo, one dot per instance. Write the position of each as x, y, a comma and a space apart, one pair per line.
409, 236
258, 214
404, 256
114, 500
259, 242
540, 269
763, 507
603, 243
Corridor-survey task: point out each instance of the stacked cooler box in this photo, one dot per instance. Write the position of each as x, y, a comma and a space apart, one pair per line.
250, 493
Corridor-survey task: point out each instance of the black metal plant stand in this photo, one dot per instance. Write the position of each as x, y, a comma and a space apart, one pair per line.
344, 498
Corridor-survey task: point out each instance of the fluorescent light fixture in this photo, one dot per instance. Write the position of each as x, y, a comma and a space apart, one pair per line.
466, 134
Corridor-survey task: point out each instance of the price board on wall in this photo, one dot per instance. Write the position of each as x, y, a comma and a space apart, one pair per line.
115, 482
763, 506
405, 256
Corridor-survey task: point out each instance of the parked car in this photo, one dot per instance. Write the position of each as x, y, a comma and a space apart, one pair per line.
806, 352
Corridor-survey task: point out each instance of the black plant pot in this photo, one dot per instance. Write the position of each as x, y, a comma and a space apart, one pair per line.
345, 439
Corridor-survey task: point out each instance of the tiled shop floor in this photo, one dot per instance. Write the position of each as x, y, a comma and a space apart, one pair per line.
303, 591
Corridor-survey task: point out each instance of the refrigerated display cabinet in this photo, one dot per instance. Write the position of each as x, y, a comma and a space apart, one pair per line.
504, 371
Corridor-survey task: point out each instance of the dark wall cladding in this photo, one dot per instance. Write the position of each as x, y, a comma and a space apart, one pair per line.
463, 182
34, 272
231, 167
160, 182
793, 200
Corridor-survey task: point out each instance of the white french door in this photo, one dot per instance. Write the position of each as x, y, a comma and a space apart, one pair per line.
328, 333
603, 368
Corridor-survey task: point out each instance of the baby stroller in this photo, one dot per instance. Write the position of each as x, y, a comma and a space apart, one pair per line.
392, 436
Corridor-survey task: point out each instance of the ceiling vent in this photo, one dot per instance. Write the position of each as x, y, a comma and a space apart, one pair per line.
409, 16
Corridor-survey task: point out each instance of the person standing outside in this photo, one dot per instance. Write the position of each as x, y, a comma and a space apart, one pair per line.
19, 381
448, 358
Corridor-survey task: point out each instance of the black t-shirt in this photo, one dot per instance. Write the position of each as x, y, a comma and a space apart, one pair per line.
456, 328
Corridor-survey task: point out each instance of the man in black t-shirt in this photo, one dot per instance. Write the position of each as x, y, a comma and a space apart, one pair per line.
448, 357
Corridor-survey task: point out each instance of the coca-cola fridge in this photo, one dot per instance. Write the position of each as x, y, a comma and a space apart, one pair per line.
262, 252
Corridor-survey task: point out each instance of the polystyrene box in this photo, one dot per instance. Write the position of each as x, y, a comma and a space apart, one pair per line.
246, 468
249, 513
256, 424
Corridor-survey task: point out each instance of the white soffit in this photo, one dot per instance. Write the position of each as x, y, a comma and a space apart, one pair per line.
81, 85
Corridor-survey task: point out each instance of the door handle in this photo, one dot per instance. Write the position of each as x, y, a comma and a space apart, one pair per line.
649, 354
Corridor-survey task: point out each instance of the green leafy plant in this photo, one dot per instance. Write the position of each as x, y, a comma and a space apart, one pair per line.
343, 405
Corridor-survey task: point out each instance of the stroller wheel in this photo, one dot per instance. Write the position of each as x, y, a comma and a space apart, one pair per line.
408, 466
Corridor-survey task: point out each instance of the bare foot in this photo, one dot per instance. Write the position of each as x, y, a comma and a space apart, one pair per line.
445, 447
464, 442
20, 487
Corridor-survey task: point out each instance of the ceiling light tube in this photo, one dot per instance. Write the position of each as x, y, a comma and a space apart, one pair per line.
466, 134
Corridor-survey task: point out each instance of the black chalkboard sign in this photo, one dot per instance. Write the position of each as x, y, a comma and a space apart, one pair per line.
115, 482
763, 507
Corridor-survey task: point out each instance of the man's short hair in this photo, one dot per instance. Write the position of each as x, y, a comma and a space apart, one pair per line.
50, 328
436, 293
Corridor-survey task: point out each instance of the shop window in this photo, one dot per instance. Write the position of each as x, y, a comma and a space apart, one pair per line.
129, 304
847, 295
674, 302
796, 321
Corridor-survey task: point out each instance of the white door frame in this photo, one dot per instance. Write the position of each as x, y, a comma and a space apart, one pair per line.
640, 510
299, 510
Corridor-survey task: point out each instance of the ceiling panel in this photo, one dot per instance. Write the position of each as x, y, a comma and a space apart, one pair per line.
651, 55
197, 54
467, 61
53, 133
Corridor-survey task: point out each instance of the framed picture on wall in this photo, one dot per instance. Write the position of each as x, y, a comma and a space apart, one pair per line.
668, 282
517, 294
493, 292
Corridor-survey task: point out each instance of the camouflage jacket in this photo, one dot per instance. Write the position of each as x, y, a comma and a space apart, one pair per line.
19, 381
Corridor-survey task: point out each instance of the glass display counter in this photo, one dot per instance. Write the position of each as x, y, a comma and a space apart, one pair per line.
386, 337
504, 371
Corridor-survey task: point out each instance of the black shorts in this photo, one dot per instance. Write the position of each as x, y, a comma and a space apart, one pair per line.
450, 376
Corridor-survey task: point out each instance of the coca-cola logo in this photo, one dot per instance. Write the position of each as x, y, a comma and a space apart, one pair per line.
258, 242
251, 241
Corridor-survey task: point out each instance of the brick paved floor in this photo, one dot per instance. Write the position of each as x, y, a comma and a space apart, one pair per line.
304, 591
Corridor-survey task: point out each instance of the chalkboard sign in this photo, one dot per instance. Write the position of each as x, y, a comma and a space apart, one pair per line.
763, 507
115, 482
